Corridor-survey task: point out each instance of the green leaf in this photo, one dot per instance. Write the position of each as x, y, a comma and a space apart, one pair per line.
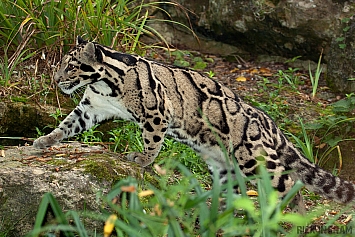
342, 46
200, 65
197, 59
341, 106
181, 63
347, 28
334, 141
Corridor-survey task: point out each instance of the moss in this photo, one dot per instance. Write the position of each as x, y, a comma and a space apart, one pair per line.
106, 168
148, 177
59, 162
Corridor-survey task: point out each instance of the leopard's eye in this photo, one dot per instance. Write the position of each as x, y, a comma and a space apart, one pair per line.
70, 67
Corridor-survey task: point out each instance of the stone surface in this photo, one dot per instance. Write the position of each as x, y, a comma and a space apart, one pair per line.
285, 28
72, 173
341, 58
20, 119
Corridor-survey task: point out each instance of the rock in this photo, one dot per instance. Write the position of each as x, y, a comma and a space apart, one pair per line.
20, 119
284, 28
341, 67
72, 173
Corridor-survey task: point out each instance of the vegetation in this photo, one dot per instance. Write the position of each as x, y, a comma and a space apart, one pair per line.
44, 30
179, 209
37, 30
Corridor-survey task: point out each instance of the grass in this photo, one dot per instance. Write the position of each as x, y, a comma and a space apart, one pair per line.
49, 28
8, 65
54, 21
127, 137
179, 209
315, 79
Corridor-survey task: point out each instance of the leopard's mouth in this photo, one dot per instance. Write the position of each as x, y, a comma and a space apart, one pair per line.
68, 87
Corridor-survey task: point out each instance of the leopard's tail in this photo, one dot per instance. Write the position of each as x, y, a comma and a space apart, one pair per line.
318, 180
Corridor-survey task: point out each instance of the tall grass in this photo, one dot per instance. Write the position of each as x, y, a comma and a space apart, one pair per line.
52, 23
34, 26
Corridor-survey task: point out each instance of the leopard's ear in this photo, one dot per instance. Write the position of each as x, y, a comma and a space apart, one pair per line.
92, 52
80, 40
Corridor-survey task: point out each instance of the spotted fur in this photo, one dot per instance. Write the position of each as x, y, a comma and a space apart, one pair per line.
165, 100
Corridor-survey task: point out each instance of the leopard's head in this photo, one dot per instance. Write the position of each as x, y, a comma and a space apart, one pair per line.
79, 67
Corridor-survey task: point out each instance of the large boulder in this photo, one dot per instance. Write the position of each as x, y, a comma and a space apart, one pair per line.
73, 173
285, 28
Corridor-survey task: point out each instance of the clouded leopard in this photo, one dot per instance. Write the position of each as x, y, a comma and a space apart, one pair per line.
165, 100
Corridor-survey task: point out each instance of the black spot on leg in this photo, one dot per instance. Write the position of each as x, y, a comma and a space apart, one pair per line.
94, 89
146, 141
156, 121
148, 127
309, 176
250, 173
82, 123
77, 129
281, 187
156, 138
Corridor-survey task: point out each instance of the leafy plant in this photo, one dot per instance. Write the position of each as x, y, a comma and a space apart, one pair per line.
184, 57
315, 78
346, 105
210, 74
52, 21
57, 115
91, 135
292, 77
305, 144
127, 137
341, 38
180, 58
329, 131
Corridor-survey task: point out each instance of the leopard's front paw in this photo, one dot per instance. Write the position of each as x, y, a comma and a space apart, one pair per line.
45, 141
139, 158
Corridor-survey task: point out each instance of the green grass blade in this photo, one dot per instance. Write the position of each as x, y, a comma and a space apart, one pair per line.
80, 227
